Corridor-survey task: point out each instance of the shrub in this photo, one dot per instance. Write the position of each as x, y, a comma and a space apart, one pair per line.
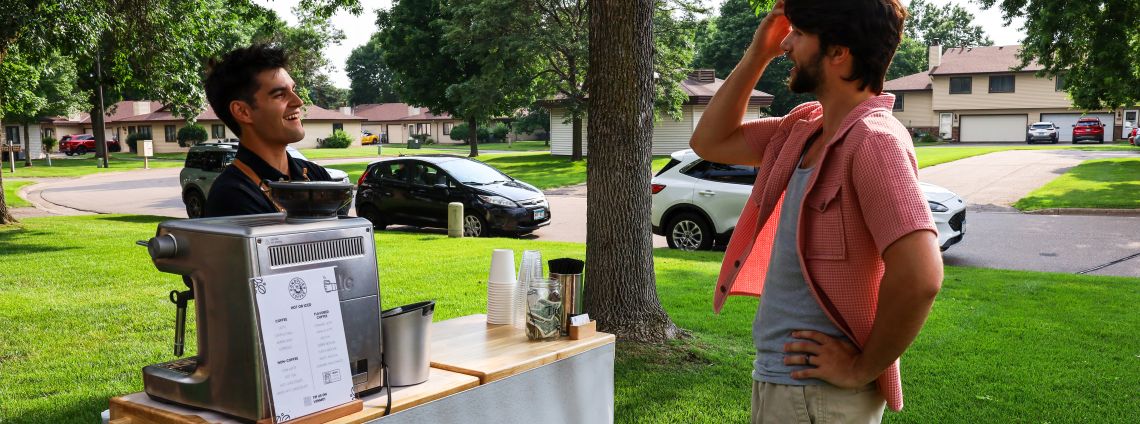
48, 143
191, 135
460, 132
929, 138
338, 140
133, 140
429, 141
483, 134
500, 130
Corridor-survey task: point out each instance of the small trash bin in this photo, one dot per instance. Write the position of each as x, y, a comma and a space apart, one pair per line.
413, 143
406, 331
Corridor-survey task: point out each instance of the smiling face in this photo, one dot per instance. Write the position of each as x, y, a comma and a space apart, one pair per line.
276, 119
804, 53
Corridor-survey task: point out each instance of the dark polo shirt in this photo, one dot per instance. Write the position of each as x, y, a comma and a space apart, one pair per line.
233, 193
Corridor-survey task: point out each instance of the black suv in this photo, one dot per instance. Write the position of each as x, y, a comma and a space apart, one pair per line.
416, 191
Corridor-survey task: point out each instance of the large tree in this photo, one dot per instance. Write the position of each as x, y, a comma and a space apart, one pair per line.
619, 246
725, 47
1094, 44
51, 92
306, 43
952, 25
911, 58
370, 79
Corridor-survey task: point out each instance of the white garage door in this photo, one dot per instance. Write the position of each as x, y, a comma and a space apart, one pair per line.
1065, 122
991, 128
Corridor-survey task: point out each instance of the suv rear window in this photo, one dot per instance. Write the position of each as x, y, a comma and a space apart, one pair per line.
720, 172
1042, 126
1088, 123
668, 166
195, 160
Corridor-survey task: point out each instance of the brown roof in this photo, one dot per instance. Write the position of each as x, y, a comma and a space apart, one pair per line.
382, 112
310, 113
701, 85
123, 109
915, 82
981, 60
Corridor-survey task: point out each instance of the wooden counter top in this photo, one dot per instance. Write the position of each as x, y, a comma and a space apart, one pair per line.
468, 345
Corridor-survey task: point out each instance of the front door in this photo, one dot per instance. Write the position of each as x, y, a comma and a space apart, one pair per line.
12, 135
1131, 120
945, 124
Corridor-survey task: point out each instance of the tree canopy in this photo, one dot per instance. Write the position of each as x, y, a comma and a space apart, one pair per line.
1094, 44
306, 43
370, 79
952, 25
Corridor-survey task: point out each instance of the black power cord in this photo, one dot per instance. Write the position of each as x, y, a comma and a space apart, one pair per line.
387, 388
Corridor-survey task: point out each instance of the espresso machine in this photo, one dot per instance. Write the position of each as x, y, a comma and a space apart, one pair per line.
217, 257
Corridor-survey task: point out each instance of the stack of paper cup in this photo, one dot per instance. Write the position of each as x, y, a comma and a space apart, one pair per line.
501, 287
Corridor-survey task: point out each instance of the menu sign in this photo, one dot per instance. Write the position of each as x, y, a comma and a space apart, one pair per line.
302, 336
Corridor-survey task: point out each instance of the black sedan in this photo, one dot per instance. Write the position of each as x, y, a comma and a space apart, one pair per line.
416, 191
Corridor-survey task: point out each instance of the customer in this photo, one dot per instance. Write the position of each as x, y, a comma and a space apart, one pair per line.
252, 93
836, 232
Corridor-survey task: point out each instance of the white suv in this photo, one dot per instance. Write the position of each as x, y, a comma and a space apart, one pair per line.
696, 203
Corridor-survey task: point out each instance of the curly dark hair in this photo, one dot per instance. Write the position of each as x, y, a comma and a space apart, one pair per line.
871, 29
234, 77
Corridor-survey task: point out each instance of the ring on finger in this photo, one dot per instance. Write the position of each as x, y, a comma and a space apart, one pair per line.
807, 359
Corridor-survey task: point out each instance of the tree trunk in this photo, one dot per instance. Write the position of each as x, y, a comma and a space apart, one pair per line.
27, 146
5, 216
576, 139
97, 124
473, 138
622, 294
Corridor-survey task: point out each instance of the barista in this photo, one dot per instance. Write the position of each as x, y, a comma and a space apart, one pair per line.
252, 93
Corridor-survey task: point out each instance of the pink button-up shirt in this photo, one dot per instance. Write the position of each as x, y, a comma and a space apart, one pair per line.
862, 196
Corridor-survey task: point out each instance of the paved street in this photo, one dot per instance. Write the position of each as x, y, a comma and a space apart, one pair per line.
993, 240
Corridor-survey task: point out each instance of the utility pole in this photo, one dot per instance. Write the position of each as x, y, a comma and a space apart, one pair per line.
97, 117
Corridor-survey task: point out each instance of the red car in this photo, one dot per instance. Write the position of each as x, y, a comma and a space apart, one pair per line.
1088, 129
81, 144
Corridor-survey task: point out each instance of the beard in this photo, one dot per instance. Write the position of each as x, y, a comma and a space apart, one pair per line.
807, 76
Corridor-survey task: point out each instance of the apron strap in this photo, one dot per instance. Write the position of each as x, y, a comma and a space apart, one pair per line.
257, 182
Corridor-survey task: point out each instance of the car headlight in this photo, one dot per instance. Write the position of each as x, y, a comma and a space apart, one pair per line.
937, 207
498, 200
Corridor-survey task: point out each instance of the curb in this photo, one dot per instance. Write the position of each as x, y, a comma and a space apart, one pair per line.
1084, 212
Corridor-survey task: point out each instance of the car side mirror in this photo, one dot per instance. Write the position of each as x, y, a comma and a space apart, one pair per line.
443, 186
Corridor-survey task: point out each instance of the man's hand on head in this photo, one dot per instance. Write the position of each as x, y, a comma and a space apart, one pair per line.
771, 32
835, 361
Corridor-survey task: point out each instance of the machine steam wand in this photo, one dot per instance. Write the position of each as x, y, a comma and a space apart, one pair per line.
179, 299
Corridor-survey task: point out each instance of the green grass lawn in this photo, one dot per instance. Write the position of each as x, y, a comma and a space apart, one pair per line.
79, 167
76, 327
10, 190
934, 156
518, 146
542, 170
365, 152
166, 156
929, 143
1101, 183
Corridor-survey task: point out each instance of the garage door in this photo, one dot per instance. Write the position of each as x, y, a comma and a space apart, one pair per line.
1065, 122
992, 128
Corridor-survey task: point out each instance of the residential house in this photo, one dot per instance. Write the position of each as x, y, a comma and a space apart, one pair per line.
399, 121
669, 135
969, 94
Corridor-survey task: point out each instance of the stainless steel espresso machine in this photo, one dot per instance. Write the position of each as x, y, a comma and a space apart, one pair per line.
216, 258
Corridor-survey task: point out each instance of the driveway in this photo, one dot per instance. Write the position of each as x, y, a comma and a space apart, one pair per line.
994, 181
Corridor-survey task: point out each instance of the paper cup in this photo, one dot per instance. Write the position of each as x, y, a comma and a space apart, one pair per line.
502, 266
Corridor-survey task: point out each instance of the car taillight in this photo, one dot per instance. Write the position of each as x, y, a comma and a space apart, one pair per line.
657, 188
362, 177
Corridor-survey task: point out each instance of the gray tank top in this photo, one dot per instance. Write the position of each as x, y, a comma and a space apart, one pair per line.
787, 304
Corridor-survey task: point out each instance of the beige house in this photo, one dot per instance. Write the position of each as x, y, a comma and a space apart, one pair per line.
969, 94
669, 135
399, 121
163, 126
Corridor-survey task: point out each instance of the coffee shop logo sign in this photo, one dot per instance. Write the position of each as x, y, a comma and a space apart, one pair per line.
297, 288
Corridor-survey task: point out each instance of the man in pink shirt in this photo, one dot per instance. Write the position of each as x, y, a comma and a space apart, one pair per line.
836, 234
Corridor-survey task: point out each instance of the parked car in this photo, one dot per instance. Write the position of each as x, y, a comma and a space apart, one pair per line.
1041, 131
81, 144
206, 161
368, 138
415, 190
1088, 129
696, 203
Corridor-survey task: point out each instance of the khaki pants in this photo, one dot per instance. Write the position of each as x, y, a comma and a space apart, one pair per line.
783, 404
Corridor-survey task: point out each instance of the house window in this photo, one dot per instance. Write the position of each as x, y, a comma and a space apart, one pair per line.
337, 127
423, 129
447, 128
898, 102
171, 134
146, 130
1060, 83
1001, 84
48, 132
130, 130
13, 134
218, 131
961, 85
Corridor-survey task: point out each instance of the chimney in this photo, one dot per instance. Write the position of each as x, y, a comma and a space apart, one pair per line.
703, 75
73, 116
141, 107
347, 110
935, 55
413, 111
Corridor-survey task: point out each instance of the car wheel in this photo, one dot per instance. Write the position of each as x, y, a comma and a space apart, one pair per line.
195, 204
373, 215
67, 153
689, 232
114, 148
82, 150
1074, 141
474, 226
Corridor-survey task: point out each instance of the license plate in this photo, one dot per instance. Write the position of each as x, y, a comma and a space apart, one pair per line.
539, 214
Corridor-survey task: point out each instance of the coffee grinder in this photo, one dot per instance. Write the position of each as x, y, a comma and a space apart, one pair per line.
217, 257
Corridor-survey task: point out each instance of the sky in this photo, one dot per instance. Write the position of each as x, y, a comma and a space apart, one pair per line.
358, 29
